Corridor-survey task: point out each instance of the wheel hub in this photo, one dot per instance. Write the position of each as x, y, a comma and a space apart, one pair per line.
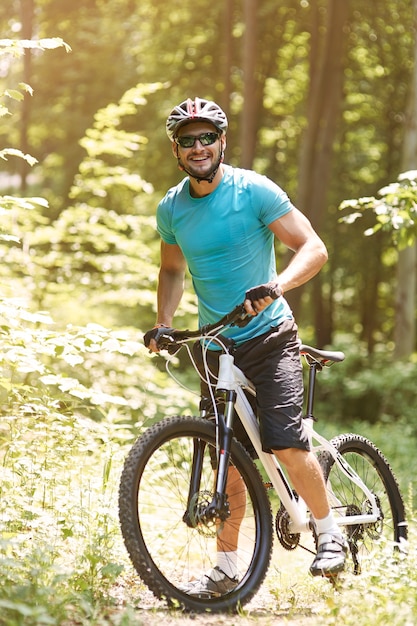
374, 530
205, 525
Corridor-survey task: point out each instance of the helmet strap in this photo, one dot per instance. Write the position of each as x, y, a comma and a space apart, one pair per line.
208, 178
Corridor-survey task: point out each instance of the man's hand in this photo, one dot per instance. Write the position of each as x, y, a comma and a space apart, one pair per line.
259, 297
151, 337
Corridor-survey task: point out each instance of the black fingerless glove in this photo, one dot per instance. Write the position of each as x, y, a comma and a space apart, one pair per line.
156, 333
273, 290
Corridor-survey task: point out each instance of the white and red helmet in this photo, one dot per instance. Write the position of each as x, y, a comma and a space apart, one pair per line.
197, 110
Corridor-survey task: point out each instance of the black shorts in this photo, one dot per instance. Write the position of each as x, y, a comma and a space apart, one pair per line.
272, 362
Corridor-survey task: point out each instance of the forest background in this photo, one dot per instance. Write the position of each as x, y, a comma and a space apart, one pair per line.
321, 98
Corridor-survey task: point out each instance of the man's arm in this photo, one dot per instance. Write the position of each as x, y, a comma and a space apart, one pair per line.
295, 231
170, 290
171, 282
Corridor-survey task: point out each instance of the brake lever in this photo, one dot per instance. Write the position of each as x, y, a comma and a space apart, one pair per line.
168, 343
242, 318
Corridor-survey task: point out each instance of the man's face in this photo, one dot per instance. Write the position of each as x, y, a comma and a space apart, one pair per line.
199, 160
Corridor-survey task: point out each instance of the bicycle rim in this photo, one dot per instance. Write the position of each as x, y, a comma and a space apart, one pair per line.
167, 552
346, 498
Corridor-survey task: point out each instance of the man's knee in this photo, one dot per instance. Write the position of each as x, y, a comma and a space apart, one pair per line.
292, 457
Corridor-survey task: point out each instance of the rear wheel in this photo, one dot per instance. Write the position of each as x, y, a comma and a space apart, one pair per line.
346, 498
168, 539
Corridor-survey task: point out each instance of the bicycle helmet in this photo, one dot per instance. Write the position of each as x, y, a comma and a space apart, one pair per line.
195, 111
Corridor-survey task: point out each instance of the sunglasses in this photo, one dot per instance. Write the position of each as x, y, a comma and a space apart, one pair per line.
188, 141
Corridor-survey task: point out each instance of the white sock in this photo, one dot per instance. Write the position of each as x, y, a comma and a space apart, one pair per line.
327, 525
227, 562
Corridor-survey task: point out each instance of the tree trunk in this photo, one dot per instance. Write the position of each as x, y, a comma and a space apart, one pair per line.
405, 322
249, 123
324, 101
325, 97
227, 55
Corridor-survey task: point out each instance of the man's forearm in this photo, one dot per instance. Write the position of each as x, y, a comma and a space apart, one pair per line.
305, 264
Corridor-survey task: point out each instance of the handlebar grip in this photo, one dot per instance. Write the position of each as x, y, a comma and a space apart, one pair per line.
167, 342
271, 290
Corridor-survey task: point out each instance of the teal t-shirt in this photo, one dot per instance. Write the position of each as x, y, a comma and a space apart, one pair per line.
227, 244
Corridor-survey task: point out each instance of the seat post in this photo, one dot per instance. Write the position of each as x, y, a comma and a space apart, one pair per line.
314, 366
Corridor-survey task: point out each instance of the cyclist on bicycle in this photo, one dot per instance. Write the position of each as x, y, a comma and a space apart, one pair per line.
221, 221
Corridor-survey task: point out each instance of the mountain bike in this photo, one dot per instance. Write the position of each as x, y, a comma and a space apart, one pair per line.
173, 496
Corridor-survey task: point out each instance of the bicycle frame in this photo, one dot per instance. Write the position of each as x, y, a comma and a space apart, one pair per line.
231, 385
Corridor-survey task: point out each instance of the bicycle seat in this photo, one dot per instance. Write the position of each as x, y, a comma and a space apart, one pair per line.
322, 355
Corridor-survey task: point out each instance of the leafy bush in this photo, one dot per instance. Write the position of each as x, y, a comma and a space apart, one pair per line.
376, 390
71, 403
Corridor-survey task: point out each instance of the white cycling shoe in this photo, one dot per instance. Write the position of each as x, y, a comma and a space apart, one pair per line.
213, 584
331, 555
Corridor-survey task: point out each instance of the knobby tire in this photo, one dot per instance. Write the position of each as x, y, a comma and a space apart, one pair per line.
374, 470
165, 551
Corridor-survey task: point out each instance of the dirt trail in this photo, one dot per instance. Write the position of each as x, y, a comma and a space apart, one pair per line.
288, 596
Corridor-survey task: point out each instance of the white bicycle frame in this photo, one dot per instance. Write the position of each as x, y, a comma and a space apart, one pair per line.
231, 378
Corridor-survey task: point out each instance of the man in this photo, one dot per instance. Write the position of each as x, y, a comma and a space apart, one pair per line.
221, 222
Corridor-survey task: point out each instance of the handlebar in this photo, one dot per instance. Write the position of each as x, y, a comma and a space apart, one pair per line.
236, 317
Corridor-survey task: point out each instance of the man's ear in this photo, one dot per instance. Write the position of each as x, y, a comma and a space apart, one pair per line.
175, 152
223, 146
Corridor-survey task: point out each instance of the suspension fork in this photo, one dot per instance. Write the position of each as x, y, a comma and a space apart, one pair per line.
224, 436
218, 507
199, 446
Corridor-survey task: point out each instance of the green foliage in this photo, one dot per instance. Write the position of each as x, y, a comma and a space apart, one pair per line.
107, 170
74, 370
71, 403
395, 211
16, 48
387, 593
371, 389
103, 249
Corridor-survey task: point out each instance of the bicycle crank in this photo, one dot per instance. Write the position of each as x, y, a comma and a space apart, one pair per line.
288, 540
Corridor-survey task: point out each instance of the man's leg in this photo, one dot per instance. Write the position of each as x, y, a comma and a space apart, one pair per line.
307, 479
223, 577
228, 533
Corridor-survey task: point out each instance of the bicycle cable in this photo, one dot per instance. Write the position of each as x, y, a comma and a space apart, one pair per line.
208, 374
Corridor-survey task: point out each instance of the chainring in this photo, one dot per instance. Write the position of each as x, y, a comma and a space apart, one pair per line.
288, 540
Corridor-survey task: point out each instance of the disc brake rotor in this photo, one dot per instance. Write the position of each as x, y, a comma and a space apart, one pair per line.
198, 518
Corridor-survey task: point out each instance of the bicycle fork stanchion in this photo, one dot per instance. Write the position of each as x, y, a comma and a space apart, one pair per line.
218, 508
191, 516
224, 424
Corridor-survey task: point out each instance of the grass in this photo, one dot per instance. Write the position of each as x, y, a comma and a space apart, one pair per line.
63, 561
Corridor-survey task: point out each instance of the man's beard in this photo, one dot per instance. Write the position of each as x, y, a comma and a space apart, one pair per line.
208, 176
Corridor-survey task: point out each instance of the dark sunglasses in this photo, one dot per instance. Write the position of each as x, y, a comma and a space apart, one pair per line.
188, 141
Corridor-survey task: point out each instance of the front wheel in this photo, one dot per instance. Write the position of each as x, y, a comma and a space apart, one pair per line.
346, 498
169, 540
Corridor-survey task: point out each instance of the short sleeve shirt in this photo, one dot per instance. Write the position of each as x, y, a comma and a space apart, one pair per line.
227, 244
